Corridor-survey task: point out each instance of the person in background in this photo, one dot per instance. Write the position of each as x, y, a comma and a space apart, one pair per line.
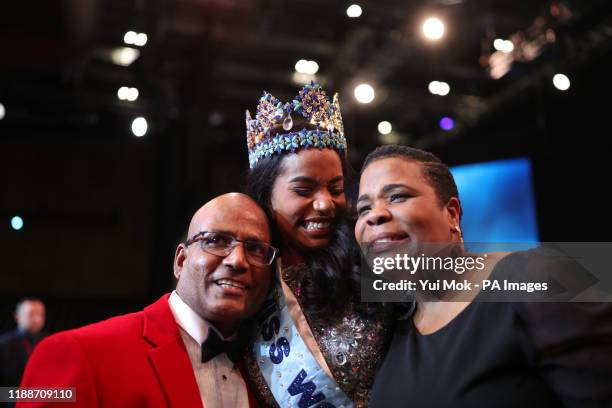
17, 346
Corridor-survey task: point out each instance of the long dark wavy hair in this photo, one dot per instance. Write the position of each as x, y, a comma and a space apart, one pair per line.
333, 273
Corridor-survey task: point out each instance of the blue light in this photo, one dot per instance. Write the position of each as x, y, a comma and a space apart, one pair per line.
498, 201
17, 223
447, 123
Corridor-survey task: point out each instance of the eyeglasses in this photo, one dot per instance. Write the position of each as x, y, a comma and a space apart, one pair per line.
258, 253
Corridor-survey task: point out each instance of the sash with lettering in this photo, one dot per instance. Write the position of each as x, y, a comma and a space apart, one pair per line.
289, 368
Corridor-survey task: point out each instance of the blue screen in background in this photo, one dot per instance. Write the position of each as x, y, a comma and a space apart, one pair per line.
497, 201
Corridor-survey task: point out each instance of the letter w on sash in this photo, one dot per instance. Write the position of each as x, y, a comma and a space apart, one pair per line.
306, 389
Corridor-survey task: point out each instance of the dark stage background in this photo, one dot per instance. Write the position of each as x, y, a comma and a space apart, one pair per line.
103, 209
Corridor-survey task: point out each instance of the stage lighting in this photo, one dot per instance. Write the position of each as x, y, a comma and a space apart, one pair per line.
130, 37
438, 88
364, 93
127, 94
313, 67
503, 45
384, 127
444, 89
124, 56
139, 126
354, 11
306, 67
141, 39
301, 65
561, 82
2, 111
17, 223
132, 94
433, 28
122, 93
447, 123
134, 38
433, 87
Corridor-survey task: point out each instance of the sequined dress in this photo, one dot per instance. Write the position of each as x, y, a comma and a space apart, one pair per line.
351, 343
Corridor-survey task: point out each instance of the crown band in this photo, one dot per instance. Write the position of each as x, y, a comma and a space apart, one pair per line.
311, 103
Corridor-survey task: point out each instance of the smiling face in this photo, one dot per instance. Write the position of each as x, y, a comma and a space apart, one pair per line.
397, 204
307, 198
224, 290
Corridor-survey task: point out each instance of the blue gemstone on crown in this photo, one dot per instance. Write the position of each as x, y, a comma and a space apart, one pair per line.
311, 103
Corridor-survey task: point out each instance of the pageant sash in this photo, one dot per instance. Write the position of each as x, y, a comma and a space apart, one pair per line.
289, 368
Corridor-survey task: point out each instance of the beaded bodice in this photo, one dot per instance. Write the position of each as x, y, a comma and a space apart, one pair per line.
352, 343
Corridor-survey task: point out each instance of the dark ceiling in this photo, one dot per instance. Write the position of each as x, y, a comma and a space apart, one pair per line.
206, 61
72, 166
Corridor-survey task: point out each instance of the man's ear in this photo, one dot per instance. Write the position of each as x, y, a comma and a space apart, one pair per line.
179, 259
453, 209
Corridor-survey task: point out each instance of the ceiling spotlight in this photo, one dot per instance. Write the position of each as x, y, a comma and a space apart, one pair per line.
139, 127
438, 88
433, 28
503, 45
447, 123
306, 67
124, 56
301, 66
134, 38
17, 223
127, 94
2, 111
132, 94
141, 39
433, 87
313, 67
561, 82
384, 127
130, 37
354, 11
364, 93
443, 89
122, 93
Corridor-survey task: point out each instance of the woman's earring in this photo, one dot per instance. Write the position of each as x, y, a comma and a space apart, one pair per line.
457, 229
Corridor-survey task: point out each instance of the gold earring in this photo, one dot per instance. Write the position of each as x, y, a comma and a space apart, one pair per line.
457, 229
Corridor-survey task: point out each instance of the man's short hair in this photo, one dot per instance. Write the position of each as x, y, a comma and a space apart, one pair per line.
26, 299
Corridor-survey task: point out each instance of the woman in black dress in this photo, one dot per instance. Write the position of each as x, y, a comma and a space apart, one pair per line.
471, 353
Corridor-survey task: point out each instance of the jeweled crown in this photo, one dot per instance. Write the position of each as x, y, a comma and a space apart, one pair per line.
313, 104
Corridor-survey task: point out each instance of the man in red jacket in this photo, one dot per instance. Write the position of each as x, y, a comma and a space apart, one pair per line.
181, 350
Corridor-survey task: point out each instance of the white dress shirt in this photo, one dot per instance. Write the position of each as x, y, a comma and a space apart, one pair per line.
219, 380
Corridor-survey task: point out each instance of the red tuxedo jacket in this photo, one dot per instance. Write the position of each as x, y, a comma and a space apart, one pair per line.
134, 360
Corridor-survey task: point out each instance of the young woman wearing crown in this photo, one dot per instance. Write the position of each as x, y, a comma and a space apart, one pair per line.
315, 344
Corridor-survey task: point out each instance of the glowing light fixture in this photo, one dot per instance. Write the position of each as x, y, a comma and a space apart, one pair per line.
433, 28
364, 93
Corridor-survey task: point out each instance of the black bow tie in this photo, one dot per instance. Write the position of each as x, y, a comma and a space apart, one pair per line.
213, 346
